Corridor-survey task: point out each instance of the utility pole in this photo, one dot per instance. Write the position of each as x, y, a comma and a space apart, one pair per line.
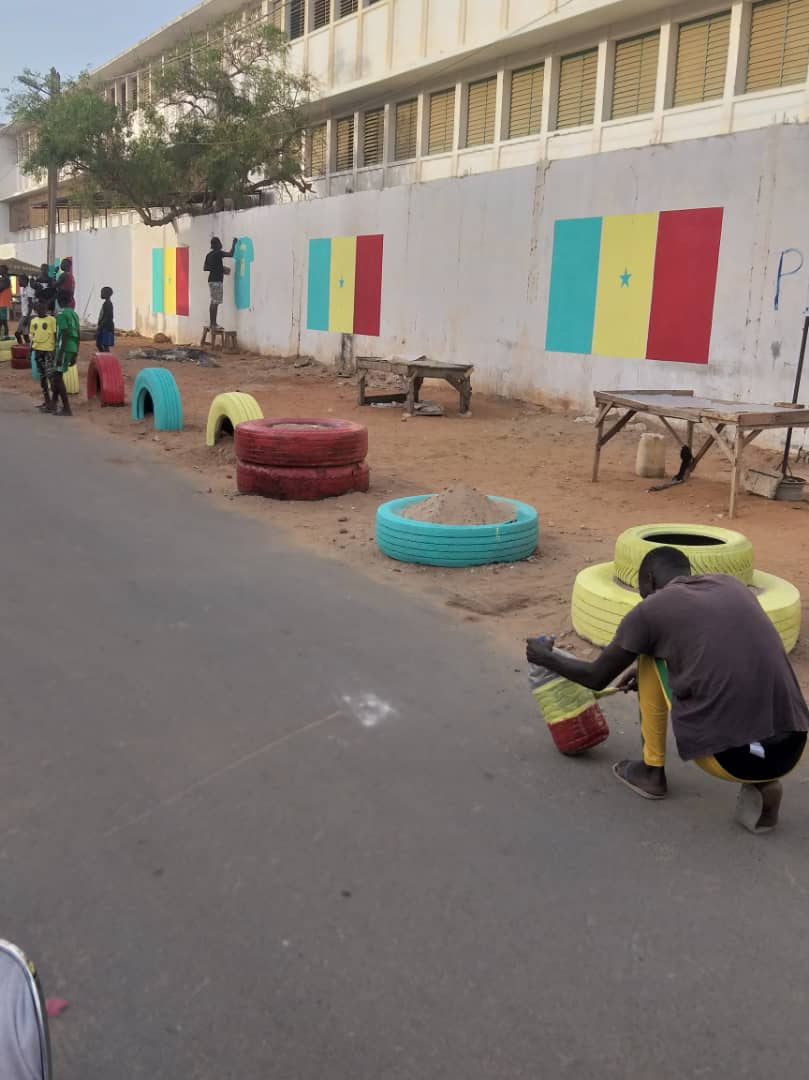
55, 88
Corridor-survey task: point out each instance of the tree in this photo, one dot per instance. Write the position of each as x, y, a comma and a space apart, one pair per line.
217, 123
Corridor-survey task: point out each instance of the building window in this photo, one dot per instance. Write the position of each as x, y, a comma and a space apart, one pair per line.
320, 13
373, 137
635, 75
405, 142
317, 151
480, 109
577, 89
779, 44
345, 144
297, 22
525, 104
702, 59
441, 136
275, 13
347, 7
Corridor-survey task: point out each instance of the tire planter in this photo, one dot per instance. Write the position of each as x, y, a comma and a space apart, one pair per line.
301, 485
5, 351
430, 544
156, 391
72, 379
709, 550
105, 379
232, 408
600, 602
20, 357
301, 442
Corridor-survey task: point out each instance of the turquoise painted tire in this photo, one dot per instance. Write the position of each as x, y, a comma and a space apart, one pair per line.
430, 544
156, 391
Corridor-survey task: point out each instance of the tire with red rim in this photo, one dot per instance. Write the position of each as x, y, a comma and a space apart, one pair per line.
301, 442
105, 379
300, 484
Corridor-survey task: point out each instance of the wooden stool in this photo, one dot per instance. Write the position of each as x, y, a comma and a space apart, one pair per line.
230, 345
227, 339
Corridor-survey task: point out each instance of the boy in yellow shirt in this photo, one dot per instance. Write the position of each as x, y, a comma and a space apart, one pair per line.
43, 346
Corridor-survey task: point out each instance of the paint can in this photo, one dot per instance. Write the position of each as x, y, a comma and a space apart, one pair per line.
650, 460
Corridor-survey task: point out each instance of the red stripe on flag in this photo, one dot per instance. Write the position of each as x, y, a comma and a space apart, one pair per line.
181, 281
684, 285
368, 285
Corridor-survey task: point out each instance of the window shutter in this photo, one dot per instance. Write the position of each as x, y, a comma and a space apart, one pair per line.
296, 18
635, 75
702, 59
577, 89
320, 15
276, 13
373, 132
345, 144
525, 108
348, 7
480, 112
317, 152
779, 44
406, 113
442, 122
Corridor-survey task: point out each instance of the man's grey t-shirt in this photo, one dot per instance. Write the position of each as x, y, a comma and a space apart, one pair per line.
730, 677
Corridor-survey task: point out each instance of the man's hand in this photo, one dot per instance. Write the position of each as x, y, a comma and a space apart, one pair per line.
628, 681
538, 649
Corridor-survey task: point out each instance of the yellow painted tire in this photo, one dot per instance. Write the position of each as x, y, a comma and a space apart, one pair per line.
722, 552
235, 408
600, 602
72, 379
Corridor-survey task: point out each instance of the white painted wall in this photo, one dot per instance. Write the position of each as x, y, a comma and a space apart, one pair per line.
466, 268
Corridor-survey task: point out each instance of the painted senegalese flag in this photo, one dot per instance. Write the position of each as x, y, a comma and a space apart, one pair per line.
345, 284
635, 285
170, 281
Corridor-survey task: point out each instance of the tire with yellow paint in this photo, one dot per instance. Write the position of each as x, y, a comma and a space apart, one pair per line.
599, 603
709, 550
72, 379
230, 409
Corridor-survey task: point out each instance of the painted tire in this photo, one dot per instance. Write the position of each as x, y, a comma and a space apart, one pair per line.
105, 379
600, 602
72, 379
158, 387
232, 408
301, 441
430, 544
301, 485
20, 357
729, 553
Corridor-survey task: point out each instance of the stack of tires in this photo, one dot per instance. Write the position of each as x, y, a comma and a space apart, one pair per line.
301, 458
21, 357
605, 592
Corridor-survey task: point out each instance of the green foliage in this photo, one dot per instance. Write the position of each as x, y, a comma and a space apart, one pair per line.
218, 122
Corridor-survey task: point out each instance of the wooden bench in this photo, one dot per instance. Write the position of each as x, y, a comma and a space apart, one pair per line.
412, 371
227, 339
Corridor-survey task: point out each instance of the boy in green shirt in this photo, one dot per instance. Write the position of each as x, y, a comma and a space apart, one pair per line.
67, 351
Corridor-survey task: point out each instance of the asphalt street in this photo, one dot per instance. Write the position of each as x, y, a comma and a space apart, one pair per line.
261, 818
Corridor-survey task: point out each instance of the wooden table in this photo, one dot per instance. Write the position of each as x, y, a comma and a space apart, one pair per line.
412, 372
748, 418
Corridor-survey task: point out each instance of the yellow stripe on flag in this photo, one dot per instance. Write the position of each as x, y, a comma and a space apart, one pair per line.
170, 281
341, 284
625, 273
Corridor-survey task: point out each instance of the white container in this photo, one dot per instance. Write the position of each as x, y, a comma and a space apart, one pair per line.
651, 457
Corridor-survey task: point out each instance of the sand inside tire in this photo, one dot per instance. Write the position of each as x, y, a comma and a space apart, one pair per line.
460, 505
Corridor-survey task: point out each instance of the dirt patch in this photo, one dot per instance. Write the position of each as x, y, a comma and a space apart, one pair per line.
459, 505
508, 448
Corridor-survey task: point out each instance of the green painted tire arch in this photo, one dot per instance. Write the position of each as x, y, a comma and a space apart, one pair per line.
158, 387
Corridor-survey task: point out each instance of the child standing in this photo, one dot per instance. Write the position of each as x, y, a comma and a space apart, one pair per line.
67, 350
105, 337
5, 300
26, 294
43, 343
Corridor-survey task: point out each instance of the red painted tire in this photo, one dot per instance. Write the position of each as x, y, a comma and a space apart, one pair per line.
21, 357
301, 441
105, 379
300, 485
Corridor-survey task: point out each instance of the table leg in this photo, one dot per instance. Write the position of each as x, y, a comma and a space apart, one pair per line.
417, 384
690, 435
466, 397
361, 382
602, 416
738, 449
410, 400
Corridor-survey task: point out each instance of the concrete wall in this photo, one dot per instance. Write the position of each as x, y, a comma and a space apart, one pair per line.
467, 264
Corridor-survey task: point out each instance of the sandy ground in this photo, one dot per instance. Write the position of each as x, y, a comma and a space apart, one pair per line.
505, 448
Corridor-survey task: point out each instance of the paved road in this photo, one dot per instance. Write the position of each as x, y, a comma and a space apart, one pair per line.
261, 818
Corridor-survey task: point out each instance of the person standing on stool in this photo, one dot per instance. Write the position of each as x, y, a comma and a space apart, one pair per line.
706, 653
216, 270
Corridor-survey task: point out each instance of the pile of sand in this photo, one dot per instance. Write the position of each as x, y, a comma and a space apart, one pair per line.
460, 505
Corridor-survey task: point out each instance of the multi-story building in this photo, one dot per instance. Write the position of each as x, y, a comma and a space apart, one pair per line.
621, 105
